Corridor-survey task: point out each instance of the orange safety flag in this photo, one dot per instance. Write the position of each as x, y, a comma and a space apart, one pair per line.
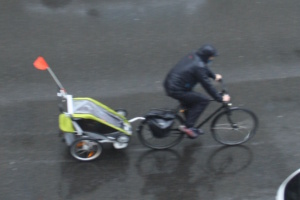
40, 63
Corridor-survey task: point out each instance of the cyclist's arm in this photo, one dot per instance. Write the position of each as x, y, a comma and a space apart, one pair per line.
204, 80
210, 73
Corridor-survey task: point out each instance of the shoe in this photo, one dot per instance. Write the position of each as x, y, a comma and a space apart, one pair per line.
191, 132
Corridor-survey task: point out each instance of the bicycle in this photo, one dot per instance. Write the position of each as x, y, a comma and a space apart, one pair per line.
229, 126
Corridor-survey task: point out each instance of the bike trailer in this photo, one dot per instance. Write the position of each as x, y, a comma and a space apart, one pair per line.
86, 123
95, 120
94, 116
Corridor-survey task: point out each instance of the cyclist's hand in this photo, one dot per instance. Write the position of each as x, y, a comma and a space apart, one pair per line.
226, 98
218, 77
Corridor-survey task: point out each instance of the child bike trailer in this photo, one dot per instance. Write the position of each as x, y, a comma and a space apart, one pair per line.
91, 124
85, 123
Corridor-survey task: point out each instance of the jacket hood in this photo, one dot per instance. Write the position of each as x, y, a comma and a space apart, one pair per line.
206, 51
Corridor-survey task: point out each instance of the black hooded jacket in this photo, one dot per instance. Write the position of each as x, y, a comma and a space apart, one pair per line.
189, 71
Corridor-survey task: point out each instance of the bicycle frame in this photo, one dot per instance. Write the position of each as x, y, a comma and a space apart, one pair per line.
223, 106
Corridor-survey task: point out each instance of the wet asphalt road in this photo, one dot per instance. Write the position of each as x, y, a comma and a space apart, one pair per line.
119, 52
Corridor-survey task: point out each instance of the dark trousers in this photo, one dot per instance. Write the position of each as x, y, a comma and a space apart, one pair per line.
195, 104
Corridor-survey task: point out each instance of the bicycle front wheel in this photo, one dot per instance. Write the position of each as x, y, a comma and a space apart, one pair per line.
234, 126
150, 139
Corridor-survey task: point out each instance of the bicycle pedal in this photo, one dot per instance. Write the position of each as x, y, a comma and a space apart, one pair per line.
201, 132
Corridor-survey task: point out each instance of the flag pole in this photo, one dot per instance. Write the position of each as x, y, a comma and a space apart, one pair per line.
55, 78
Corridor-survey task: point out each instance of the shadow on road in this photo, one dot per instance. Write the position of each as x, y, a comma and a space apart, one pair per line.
167, 173
82, 178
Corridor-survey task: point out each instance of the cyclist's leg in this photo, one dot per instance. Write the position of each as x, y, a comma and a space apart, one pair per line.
196, 104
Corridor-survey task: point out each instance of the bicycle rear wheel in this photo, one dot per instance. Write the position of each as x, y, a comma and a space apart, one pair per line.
149, 139
234, 126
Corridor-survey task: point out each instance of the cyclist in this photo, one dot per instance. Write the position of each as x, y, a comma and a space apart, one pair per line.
182, 78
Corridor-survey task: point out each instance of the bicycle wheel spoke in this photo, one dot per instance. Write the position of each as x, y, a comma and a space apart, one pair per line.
79, 151
223, 128
235, 128
229, 127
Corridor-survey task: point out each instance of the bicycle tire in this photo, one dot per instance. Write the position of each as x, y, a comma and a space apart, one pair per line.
234, 126
171, 139
85, 149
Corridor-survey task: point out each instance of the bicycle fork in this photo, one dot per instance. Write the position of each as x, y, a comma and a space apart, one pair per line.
233, 125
